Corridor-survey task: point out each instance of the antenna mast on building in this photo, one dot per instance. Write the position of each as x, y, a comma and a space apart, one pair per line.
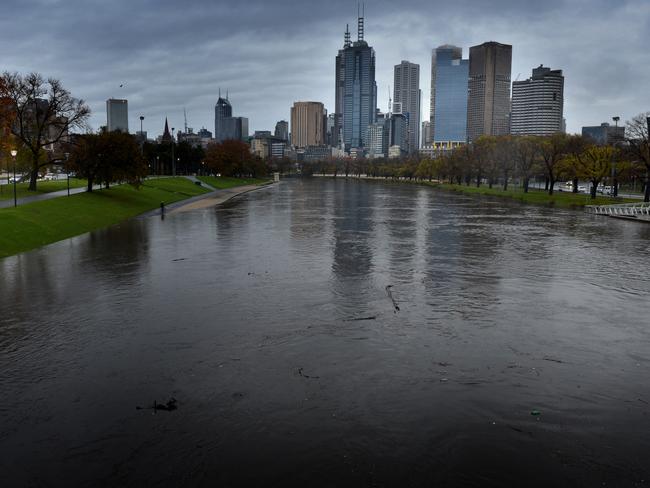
347, 42
360, 14
390, 101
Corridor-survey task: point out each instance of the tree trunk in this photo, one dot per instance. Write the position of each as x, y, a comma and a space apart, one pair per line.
526, 182
592, 190
505, 182
551, 184
546, 184
90, 184
646, 195
478, 180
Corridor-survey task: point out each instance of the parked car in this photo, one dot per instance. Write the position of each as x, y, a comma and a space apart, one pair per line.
17, 178
49, 177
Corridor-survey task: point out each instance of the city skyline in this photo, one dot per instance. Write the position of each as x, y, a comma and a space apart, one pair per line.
162, 73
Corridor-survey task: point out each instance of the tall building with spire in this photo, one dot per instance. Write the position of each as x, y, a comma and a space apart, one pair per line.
222, 111
355, 90
166, 137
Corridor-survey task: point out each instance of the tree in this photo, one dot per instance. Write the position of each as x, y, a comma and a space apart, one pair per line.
41, 114
526, 151
594, 163
553, 150
638, 139
571, 165
108, 157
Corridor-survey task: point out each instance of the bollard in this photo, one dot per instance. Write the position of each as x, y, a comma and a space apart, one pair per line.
162, 210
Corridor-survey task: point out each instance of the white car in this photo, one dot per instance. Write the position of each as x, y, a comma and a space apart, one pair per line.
49, 177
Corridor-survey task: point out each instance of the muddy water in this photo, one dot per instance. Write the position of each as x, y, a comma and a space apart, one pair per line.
520, 353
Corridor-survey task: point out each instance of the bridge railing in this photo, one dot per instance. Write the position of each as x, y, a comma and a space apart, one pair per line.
627, 209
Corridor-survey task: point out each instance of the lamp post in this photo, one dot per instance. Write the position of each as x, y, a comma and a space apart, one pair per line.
141, 132
13, 155
614, 177
173, 160
157, 170
67, 170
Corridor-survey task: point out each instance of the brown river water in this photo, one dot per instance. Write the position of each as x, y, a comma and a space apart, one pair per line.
330, 333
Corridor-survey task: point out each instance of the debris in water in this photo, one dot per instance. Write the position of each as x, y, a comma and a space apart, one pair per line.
553, 360
305, 375
179, 259
390, 295
535, 413
355, 319
168, 407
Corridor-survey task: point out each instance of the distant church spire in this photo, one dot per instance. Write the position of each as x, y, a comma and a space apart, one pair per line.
166, 137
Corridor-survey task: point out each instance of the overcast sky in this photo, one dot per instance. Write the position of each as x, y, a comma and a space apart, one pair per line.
172, 54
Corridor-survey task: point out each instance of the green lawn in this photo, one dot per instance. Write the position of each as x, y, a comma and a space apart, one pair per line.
37, 224
222, 182
7, 191
538, 197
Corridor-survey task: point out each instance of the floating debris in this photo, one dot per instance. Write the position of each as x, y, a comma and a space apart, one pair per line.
300, 372
535, 413
179, 259
167, 407
356, 319
390, 295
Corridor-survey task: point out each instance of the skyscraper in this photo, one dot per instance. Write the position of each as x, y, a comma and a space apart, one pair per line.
355, 90
406, 91
426, 133
488, 101
307, 124
222, 111
448, 107
282, 130
117, 115
538, 103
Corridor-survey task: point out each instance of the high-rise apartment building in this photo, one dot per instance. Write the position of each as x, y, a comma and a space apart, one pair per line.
117, 115
448, 105
355, 90
406, 91
488, 101
282, 130
222, 111
308, 124
538, 103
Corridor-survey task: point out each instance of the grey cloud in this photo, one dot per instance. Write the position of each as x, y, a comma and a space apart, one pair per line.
171, 54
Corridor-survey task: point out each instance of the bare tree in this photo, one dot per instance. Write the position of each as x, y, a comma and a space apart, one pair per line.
636, 132
41, 114
526, 153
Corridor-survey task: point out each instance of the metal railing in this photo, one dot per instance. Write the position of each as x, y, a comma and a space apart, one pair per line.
639, 210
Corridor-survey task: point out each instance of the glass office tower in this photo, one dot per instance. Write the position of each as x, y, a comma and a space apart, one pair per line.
449, 75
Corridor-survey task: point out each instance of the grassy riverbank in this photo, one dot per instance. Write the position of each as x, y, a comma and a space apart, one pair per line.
534, 196
7, 191
36, 224
226, 182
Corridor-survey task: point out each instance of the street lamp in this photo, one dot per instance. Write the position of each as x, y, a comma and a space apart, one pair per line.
157, 171
67, 170
614, 178
173, 160
13, 155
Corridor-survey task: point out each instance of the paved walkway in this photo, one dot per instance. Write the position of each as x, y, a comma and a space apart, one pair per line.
43, 196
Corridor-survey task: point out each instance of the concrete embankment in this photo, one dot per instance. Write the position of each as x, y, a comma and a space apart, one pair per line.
215, 198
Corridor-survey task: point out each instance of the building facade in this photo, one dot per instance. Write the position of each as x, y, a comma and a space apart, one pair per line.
426, 133
117, 115
222, 111
604, 133
538, 103
308, 124
448, 104
355, 91
406, 91
282, 130
488, 100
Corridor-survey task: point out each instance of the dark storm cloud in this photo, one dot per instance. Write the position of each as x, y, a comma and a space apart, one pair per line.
170, 54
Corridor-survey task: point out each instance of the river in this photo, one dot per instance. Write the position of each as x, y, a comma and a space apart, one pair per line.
329, 332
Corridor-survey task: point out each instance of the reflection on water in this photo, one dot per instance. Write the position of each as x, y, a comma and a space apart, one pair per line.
268, 319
